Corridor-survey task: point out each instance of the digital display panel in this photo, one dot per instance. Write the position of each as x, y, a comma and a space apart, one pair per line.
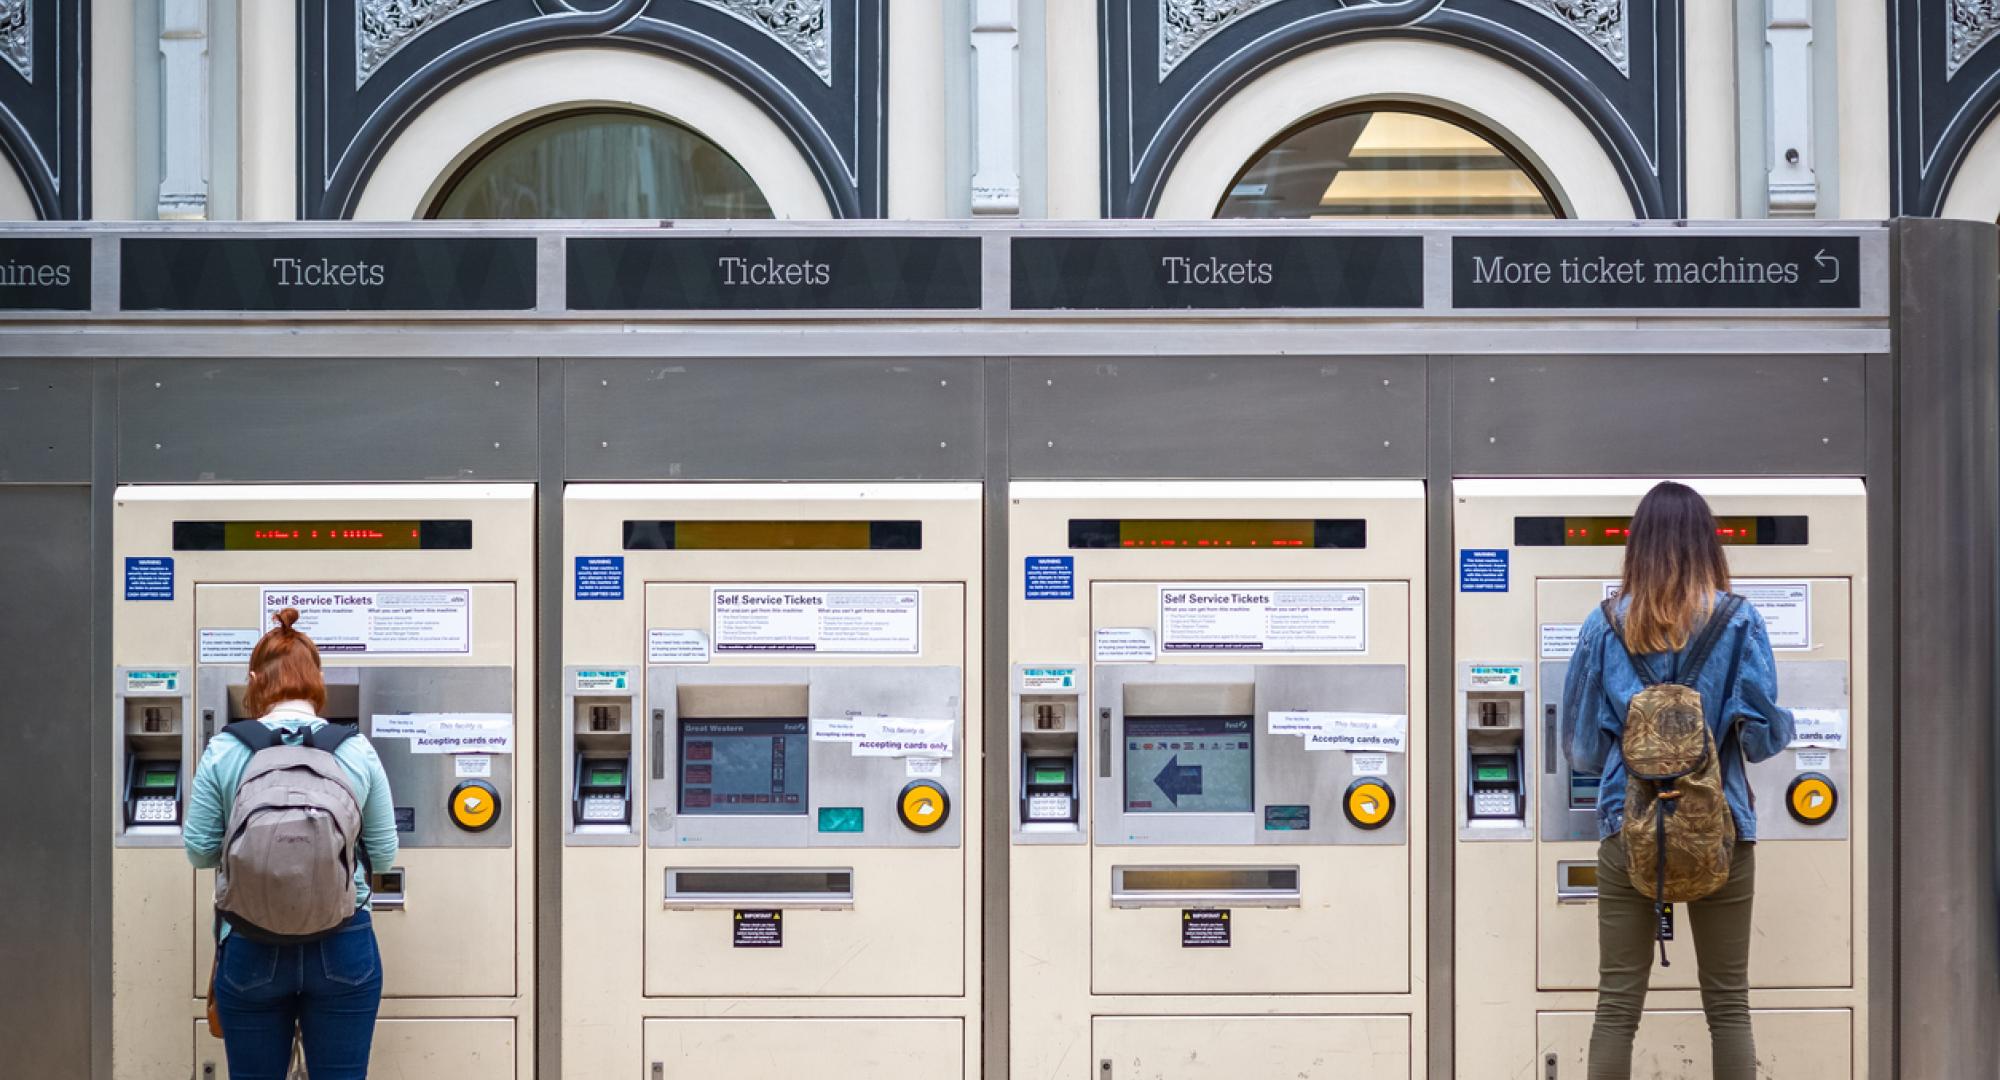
1601, 531
1583, 791
774, 535
159, 776
1209, 533
744, 766
323, 534
606, 777
1494, 772
1188, 764
1051, 776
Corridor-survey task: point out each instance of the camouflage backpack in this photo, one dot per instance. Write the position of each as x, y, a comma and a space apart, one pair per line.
1679, 834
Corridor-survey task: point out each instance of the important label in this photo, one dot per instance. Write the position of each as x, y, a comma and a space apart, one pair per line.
1813, 760
152, 682
225, 645
887, 736
1786, 607
758, 928
675, 646
1482, 569
1124, 645
1050, 577
378, 622
1493, 677
472, 766
1559, 640
1369, 764
1204, 928
149, 578
827, 621
1629, 270
1383, 733
448, 733
1042, 680
1249, 618
923, 768
599, 682
1824, 728
600, 577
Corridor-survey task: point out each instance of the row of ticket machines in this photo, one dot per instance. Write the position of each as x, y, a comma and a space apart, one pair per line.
772, 729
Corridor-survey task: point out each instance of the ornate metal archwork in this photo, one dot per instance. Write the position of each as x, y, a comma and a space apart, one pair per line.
44, 103
1167, 65
1944, 90
818, 68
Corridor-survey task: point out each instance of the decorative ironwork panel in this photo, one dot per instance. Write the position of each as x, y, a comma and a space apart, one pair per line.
818, 68
44, 106
1945, 90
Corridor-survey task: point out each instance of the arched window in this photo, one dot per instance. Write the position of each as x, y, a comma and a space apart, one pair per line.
601, 164
1387, 163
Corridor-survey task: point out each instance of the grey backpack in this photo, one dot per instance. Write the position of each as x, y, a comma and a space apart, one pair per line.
288, 858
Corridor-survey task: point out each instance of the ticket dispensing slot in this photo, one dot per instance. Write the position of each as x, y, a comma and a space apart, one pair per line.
387, 889
601, 784
756, 887
1205, 886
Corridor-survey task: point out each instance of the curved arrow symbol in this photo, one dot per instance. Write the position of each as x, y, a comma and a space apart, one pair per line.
1825, 262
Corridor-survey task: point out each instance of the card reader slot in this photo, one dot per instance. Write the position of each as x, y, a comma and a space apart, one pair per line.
1204, 886
723, 887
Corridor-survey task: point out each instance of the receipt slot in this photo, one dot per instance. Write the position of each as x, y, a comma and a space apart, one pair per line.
1526, 878
1228, 671
774, 702
420, 599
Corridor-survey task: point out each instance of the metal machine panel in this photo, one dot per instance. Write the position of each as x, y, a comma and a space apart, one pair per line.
436, 1048
1233, 1047
1554, 415
824, 1049
1790, 1042
786, 419
45, 411
45, 640
1235, 416
333, 420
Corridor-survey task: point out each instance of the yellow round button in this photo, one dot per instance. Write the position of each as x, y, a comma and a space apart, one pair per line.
1369, 804
1812, 798
475, 806
923, 806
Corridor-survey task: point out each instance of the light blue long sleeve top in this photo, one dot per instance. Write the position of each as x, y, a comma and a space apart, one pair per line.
221, 769
1739, 699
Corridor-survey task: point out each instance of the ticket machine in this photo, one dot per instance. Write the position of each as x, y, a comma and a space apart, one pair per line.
771, 729
1216, 740
1535, 556
420, 600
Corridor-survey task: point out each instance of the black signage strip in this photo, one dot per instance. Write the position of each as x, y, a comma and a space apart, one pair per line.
1155, 273
327, 273
1634, 270
45, 273
774, 273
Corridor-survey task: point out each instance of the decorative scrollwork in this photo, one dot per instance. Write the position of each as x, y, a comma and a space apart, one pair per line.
1973, 24
801, 26
17, 36
383, 27
1602, 23
1185, 24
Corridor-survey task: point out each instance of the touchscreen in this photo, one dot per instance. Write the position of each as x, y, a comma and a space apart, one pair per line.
743, 766
1188, 764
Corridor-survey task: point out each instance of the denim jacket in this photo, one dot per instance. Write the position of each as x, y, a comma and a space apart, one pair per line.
1739, 691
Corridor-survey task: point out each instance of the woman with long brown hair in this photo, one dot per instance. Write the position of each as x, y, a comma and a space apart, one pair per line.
1676, 581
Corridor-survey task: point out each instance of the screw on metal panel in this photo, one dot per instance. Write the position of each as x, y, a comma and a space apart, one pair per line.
496, 446
659, 1070
1549, 1067
1490, 440
942, 444
208, 1069
156, 446
604, 446
604, 382
1791, 157
1385, 443
944, 382
496, 382
1050, 382
1385, 382
156, 386
1823, 440
1052, 444
1490, 378
1104, 1068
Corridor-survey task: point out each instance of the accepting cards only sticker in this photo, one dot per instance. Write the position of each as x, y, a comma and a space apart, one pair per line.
1823, 728
1382, 733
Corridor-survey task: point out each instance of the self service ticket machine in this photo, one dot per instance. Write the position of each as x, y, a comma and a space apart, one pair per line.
771, 706
1215, 748
1535, 557
420, 599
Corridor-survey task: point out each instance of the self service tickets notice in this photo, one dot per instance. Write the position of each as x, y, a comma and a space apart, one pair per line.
818, 620
378, 621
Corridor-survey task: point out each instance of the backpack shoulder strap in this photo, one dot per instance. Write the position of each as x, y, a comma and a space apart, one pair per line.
1639, 664
253, 734
1705, 642
328, 737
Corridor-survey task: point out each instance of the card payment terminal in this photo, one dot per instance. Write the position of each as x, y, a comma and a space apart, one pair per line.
152, 792
1048, 789
603, 791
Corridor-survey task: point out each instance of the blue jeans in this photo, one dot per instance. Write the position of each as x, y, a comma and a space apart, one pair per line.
329, 989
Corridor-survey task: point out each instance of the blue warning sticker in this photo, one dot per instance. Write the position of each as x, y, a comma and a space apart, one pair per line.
600, 577
1482, 569
149, 578
1051, 577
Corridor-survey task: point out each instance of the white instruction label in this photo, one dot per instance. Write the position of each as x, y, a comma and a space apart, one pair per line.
1820, 727
887, 736
1377, 732
1044, 679
152, 682
1124, 645
378, 622
473, 766
673, 646
1559, 640
448, 733
1369, 764
1256, 618
1786, 607
1813, 760
225, 645
1493, 677
818, 620
923, 768
596, 682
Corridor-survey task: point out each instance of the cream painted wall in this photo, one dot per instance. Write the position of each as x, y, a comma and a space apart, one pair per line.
1711, 102
1502, 99
918, 170
448, 131
15, 203
113, 111
1073, 156
1863, 62
1975, 192
267, 172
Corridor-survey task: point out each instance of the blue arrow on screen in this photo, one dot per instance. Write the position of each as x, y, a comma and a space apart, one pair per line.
1176, 780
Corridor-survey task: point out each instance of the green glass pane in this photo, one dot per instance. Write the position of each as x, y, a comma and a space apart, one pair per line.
840, 819
1493, 772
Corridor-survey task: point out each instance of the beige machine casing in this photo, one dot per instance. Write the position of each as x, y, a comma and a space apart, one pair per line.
1526, 926
1326, 981
882, 984
458, 942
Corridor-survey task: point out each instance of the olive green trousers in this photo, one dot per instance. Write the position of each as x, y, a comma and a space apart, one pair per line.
1626, 951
